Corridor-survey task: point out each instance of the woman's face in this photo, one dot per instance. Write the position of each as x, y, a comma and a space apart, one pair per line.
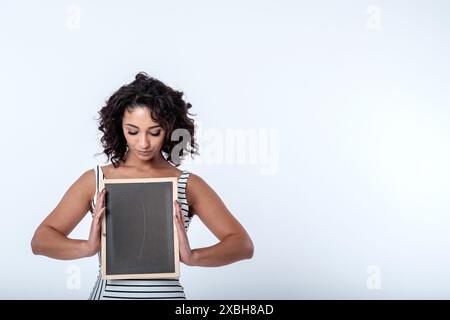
144, 136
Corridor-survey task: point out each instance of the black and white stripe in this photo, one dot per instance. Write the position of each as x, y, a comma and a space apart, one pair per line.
141, 289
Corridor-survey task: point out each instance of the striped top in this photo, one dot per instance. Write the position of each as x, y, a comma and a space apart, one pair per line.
166, 289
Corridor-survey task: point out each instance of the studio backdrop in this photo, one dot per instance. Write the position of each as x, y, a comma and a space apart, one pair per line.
323, 125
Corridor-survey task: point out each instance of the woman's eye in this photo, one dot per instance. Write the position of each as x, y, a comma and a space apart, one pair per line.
155, 134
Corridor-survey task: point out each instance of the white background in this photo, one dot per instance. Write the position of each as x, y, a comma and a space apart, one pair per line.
355, 203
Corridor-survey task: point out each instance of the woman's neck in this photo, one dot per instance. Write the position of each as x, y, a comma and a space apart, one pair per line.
131, 161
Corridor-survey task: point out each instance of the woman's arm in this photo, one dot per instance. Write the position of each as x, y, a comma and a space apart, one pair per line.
50, 238
235, 243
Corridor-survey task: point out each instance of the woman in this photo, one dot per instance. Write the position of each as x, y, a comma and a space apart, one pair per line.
137, 124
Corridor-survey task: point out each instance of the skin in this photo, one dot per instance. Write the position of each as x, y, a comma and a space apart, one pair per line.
142, 133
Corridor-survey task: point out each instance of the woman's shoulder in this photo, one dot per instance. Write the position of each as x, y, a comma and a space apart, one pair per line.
193, 178
85, 184
197, 187
88, 177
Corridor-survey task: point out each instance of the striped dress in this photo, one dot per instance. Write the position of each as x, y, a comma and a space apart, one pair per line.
165, 289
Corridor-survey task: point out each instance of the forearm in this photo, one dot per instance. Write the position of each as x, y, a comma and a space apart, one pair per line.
51, 243
231, 249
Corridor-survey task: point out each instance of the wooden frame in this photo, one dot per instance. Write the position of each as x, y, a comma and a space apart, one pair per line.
109, 183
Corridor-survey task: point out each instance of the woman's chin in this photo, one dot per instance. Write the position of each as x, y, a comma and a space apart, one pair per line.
145, 156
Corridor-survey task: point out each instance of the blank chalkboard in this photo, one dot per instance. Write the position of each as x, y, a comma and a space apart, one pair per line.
139, 238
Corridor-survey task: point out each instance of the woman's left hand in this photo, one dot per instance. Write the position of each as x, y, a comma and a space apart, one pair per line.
185, 248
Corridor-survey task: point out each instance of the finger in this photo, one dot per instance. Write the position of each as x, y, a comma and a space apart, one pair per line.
100, 199
99, 211
178, 209
180, 226
100, 214
100, 194
181, 217
180, 233
103, 196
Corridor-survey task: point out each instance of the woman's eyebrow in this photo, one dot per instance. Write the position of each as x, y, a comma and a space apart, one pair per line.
132, 125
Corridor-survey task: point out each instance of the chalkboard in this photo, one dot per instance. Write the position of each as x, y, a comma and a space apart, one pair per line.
139, 238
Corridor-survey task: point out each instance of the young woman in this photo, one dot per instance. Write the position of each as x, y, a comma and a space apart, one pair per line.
137, 123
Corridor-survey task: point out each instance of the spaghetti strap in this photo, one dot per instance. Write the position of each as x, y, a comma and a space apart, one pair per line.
99, 176
94, 200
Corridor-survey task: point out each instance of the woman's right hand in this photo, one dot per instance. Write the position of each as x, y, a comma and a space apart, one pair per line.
93, 244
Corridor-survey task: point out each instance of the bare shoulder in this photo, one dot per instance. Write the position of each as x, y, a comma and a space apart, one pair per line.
85, 185
195, 182
87, 182
197, 188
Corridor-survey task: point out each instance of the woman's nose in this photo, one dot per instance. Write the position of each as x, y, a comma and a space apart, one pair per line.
144, 142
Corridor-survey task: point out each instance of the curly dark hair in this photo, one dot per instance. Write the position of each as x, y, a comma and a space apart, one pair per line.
167, 108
